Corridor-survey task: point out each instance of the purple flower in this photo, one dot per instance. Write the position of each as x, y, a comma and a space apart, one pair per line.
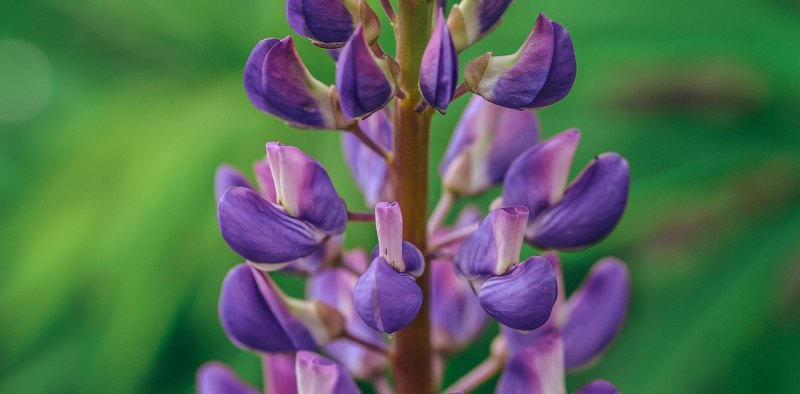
329, 23
277, 82
518, 295
574, 218
334, 286
598, 387
386, 296
217, 378
486, 141
368, 168
306, 211
319, 375
438, 74
471, 20
365, 82
257, 316
537, 369
540, 73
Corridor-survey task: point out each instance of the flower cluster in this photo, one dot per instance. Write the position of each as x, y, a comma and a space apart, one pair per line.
292, 220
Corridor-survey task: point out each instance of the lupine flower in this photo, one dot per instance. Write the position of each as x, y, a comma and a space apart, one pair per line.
582, 214
540, 73
386, 296
306, 212
368, 168
330, 23
365, 82
471, 20
486, 141
334, 286
319, 375
518, 295
590, 319
438, 74
537, 369
216, 378
277, 82
257, 316
457, 317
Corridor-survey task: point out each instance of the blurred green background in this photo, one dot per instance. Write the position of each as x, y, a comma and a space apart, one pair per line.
114, 115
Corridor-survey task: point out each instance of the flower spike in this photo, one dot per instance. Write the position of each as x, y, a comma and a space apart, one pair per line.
539, 74
438, 74
365, 82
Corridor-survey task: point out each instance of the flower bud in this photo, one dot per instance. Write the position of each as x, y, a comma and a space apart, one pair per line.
385, 299
471, 20
540, 73
538, 369
438, 74
330, 23
226, 177
495, 246
486, 141
217, 378
277, 82
369, 168
319, 375
364, 81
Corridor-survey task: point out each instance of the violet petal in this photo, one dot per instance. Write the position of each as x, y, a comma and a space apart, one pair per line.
217, 378
438, 74
523, 298
319, 375
598, 387
538, 369
364, 81
495, 246
325, 21
385, 299
228, 176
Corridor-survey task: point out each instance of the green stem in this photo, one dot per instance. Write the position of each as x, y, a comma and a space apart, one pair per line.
412, 361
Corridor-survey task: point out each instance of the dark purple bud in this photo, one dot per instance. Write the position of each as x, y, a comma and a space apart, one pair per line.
486, 141
536, 179
319, 375
457, 317
277, 82
334, 286
324, 21
254, 317
540, 73
596, 312
369, 168
591, 207
216, 378
495, 246
598, 387
226, 177
538, 369
438, 74
524, 297
385, 299
364, 81
471, 20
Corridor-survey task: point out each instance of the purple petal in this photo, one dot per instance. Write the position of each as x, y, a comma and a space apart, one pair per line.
326, 255
457, 317
226, 177
413, 260
260, 231
495, 246
537, 178
266, 185
591, 207
596, 312
538, 369
385, 299
369, 168
255, 319
319, 375
279, 374
471, 20
356, 260
562, 72
216, 378
334, 286
305, 190
277, 82
523, 298
598, 387
439, 69
486, 141
325, 21
364, 82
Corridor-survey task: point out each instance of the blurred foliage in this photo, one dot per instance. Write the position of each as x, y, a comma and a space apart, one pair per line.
114, 115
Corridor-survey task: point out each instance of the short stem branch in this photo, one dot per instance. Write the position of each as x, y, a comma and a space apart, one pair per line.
453, 236
360, 216
369, 345
474, 378
441, 211
369, 142
460, 91
387, 7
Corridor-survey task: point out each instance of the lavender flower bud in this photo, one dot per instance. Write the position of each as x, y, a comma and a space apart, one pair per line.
598, 387
319, 375
538, 369
277, 82
369, 168
486, 141
365, 82
438, 74
330, 23
471, 20
540, 73
217, 378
